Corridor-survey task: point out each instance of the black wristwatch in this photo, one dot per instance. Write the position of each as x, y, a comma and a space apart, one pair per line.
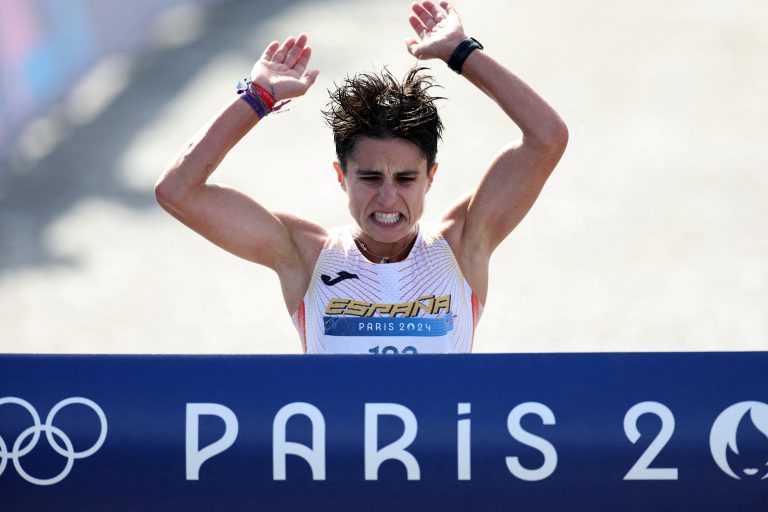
461, 53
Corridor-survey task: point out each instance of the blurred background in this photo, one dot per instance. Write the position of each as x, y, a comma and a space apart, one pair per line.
652, 233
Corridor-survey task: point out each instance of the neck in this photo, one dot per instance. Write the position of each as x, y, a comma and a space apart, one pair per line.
379, 252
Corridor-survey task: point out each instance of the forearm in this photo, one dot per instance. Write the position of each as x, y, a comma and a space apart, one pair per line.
537, 120
200, 157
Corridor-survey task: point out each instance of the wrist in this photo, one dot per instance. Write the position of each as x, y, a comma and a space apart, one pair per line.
462, 52
260, 99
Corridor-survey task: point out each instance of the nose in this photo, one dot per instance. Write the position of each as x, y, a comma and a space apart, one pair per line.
387, 193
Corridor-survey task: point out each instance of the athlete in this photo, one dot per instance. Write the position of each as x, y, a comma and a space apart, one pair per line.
387, 283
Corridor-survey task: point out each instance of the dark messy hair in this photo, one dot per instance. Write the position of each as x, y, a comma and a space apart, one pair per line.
379, 106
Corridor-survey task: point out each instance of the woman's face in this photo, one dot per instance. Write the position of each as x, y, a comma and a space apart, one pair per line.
386, 183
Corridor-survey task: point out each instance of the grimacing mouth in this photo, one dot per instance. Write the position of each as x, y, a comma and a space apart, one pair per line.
387, 218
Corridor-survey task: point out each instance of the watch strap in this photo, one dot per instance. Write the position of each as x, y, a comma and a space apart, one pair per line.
460, 54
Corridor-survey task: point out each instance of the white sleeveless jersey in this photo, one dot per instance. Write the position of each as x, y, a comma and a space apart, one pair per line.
422, 304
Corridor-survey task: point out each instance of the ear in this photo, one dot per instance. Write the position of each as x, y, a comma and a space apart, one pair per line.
340, 176
431, 175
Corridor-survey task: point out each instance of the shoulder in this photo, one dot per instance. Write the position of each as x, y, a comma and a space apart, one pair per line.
431, 233
340, 238
307, 236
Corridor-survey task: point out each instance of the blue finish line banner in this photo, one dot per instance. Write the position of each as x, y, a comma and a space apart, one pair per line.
535, 432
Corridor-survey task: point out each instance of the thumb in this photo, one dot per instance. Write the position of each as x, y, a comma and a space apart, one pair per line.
411, 44
310, 77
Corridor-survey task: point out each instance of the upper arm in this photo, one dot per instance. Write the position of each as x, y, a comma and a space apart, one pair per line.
480, 221
505, 194
237, 223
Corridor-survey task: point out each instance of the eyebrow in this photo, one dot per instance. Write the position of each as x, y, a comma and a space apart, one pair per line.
369, 172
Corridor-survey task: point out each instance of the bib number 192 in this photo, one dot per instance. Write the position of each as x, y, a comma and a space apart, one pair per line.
393, 350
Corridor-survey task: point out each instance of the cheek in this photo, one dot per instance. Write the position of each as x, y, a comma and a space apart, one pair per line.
416, 198
358, 197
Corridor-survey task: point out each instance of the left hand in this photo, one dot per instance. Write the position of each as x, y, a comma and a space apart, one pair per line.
438, 30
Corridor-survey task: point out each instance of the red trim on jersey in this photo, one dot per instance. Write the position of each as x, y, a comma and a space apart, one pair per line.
475, 318
301, 320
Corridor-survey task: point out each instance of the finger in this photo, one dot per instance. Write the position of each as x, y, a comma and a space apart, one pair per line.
447, 6
437, 14
279, 56
301, 64
269, 52
418, 26
424, 16
295, 52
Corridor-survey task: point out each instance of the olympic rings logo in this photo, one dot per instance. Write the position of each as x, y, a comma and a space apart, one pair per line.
51, 433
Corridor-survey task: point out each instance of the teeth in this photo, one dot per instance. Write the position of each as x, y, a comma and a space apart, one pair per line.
386, 218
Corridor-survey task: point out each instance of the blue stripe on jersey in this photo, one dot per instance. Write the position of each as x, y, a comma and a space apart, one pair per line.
361, 326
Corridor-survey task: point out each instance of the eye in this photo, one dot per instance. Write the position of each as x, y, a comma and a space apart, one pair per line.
405, 179
370, 178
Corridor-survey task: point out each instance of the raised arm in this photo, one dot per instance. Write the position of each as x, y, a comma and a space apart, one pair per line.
226, 216
513, 181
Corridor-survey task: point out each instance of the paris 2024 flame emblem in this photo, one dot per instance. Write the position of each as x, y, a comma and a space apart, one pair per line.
748, 456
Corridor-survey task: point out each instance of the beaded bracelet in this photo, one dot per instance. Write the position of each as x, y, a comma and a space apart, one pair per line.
260, 92
256, 104
260, 100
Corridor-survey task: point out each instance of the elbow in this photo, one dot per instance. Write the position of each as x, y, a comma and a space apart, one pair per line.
168, 193
556, 138
561, 135
553, 140
163, 192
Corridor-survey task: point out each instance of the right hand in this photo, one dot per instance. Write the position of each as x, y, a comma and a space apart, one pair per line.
280, 68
